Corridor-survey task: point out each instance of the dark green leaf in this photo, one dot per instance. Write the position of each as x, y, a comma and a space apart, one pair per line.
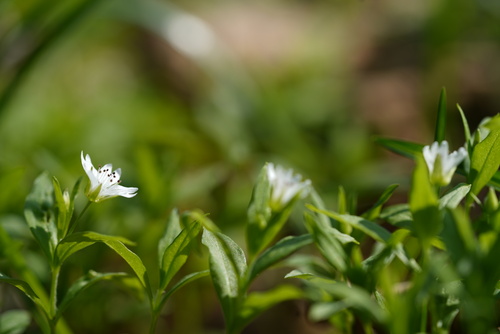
40, 214
182, 282
62, 209
439, 134
176, 253
276, 253
374, 211
401, 147
14, 321
172, 230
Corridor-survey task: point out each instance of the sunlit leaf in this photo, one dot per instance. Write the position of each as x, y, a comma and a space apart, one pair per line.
485, 161
227, 266
401, 147
452, 198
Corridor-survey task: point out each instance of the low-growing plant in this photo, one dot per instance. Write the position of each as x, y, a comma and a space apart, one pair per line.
425, 266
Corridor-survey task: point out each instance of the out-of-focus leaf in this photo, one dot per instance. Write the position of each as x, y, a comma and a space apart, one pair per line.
401, 147
277, 252
370, 228
177, 253
374, 211
485, 161
398, 215
21, 285
454, 196
257, 302
439, 134
424, 202
40, 215
227, 266
327, 242
62, 209
14, 321
172, 230
83, 284
183, 281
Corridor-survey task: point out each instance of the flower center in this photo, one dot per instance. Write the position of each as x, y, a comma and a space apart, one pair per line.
108, 178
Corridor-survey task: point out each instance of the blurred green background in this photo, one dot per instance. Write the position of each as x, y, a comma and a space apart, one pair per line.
190, 98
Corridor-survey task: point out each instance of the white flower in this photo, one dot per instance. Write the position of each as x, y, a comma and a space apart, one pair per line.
441, 163
285, 186
104, 183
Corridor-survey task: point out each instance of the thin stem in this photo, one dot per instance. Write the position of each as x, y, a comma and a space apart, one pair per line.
75, 222
154, 321
53, 298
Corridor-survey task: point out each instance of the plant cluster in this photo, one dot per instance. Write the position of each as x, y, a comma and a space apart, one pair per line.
426, 266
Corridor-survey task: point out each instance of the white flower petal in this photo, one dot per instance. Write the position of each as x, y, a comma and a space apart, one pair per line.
285, 186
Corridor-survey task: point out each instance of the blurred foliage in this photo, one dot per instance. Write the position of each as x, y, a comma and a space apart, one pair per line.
190, 98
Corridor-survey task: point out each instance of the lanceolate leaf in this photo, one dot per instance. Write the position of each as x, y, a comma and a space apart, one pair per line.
374, 211
276, 253
83, 284
177, 253
183, 281
424, 202
454, 196
40, 215
485, 161
21, 285
227, 266
401, 147
78, 241
372, 229
172, 230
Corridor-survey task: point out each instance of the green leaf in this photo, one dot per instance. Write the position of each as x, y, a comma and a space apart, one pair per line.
227, 266
62, 209
21, 285
370, 228
182, 282
327, 242
439, 134
374, 211
40, 214
78, 241
485, 161
465, 124
81, 240
83, 284
401, 147
398, 215
424, 203
14, 321
453, 198
172, 230
257, 302
351, 297
176, 253
276, 253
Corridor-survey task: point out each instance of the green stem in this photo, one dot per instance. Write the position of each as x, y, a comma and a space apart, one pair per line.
154, 321
423, 321
77, 219
53, 298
